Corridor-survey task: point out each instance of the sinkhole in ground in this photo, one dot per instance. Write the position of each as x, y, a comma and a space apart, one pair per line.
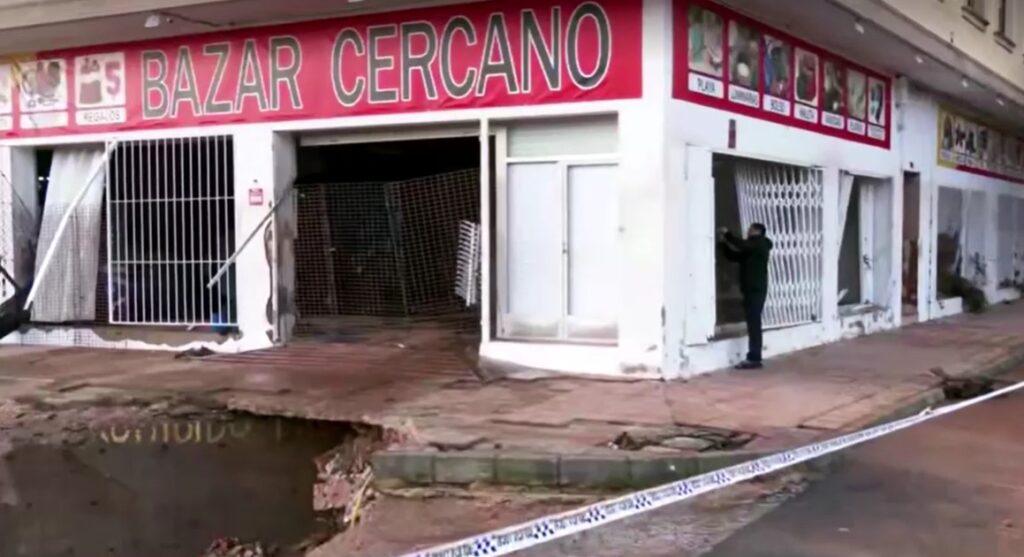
170, 487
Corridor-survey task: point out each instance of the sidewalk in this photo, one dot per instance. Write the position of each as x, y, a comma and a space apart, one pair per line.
556, 431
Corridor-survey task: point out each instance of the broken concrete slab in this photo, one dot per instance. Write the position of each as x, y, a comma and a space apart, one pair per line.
693, 444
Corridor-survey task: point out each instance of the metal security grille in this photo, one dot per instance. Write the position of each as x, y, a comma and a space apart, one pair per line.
789, 201
383, 249
170, 227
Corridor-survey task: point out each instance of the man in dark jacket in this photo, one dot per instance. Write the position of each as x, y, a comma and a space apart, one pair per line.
752, 256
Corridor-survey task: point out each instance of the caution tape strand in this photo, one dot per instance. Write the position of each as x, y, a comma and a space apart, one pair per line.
549, 528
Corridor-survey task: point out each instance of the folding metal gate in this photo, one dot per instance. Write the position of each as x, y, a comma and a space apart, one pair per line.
170, 227
788, 200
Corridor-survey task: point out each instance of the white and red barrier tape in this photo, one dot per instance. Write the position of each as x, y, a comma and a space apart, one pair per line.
546, 529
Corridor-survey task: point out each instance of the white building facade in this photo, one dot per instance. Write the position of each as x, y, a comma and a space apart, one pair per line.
552, 172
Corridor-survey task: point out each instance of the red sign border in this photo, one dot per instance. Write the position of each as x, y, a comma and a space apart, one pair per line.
681, 75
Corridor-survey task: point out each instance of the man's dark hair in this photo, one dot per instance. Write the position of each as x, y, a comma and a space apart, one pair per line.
760, 228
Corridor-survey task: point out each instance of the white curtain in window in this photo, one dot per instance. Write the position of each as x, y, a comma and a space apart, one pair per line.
68, 291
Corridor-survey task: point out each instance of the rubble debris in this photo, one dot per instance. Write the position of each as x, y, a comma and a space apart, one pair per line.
364, 494
194, 353
685, 439
345, 480
332, 493
688, 444
957, 388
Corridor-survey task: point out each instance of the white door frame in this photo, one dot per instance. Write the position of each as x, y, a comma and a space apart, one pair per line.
564, 163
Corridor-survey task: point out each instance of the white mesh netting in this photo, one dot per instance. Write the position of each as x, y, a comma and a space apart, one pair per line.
788, 200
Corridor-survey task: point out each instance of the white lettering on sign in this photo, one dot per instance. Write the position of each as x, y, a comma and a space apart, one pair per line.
44, 120
876, 132
776, 105
742, 95
856, 126
807, 113
100, 116
706, 85
6, 123
833, 120
256, 197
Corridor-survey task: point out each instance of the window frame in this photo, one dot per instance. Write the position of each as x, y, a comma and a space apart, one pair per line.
506, 323
1005, 24
975, 12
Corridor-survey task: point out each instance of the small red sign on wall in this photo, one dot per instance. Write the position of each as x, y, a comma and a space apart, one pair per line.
256, 197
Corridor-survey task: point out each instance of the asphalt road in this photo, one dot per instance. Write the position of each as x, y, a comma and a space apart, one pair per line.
952, 487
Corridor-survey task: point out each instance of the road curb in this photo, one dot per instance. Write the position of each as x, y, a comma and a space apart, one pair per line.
403, 468
618, 470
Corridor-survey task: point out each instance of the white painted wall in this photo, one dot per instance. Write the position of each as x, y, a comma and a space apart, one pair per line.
946, 19
643, 128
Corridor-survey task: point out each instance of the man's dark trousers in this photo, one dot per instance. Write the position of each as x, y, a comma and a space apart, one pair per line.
753, 305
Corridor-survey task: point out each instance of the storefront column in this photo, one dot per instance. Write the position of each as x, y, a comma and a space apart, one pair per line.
643, 168
285, 231
991, 246
831, 237
253, 270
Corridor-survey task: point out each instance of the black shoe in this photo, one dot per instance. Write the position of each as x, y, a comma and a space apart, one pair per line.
746, 364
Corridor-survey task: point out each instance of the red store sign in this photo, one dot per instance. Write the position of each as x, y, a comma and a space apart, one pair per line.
499, 53
725, 60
